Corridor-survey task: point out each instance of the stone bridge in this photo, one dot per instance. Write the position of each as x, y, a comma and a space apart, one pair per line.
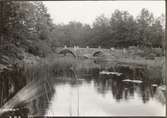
83, 52
115, 56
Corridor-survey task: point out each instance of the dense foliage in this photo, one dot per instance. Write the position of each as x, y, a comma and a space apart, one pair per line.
25, 25
120, 30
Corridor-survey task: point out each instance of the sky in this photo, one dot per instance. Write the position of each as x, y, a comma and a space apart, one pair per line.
86, 11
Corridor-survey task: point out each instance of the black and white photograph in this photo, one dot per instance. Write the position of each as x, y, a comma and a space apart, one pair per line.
82, 58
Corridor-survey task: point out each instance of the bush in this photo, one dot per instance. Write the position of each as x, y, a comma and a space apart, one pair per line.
40, 48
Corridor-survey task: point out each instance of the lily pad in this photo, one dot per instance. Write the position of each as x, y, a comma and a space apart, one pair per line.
132, 81
110, 73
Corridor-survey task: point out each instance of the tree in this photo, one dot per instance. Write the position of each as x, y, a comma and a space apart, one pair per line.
144, 21
155, 34
123, 29
100, 31
74, 33
24, 23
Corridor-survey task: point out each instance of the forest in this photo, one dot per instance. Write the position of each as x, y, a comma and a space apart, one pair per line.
26, 27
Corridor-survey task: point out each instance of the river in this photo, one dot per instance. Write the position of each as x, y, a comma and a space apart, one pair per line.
84, 90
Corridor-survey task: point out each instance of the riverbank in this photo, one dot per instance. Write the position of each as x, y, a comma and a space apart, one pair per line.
31, 60
128, 58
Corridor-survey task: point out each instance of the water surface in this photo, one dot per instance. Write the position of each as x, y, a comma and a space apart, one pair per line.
83, 91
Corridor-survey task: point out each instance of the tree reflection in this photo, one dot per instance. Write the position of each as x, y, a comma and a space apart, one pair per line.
125, 90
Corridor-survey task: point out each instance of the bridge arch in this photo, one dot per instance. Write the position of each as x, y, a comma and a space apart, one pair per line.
67, 51
98, 53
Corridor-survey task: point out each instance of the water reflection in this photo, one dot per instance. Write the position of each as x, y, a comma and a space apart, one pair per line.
74, 91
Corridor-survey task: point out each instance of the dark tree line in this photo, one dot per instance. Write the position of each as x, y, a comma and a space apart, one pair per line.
27, 26
120, 30
74, 33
